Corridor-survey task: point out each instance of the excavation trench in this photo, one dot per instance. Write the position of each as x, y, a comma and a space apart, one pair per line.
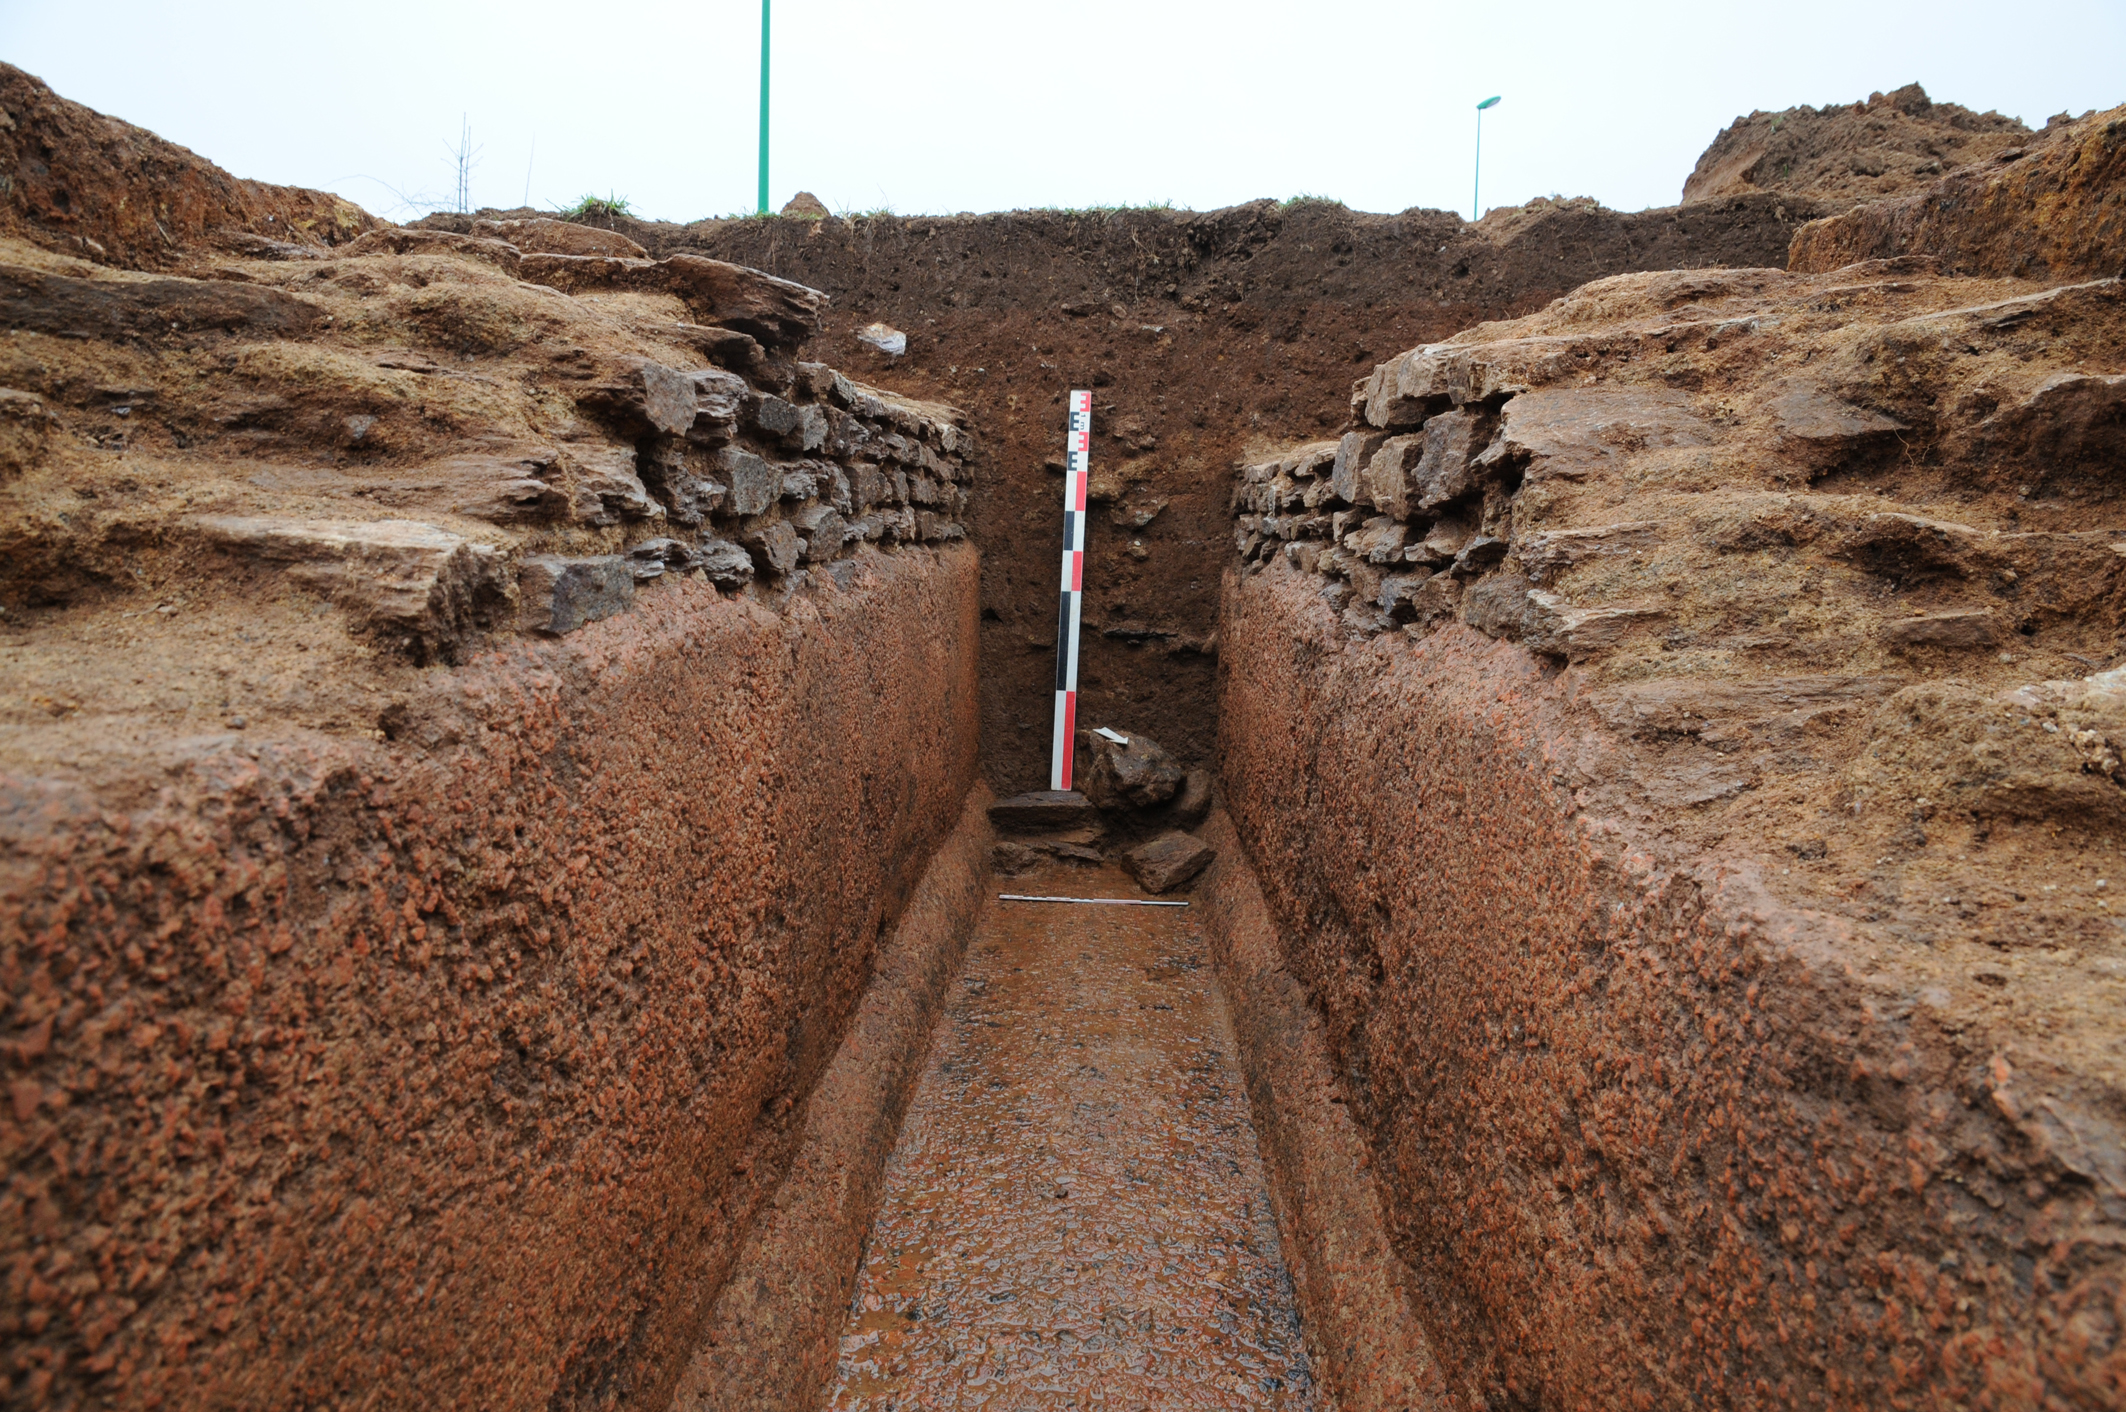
502, 718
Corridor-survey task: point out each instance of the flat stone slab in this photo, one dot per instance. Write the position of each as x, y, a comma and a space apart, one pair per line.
1168, 861
1043, 811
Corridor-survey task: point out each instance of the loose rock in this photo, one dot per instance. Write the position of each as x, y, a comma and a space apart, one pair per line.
1168, 861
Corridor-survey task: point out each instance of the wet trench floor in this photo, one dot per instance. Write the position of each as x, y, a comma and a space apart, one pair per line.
1076, 1214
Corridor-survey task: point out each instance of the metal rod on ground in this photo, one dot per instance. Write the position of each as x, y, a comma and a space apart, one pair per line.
1090, 901
764, 106
1476, 173
1077, 441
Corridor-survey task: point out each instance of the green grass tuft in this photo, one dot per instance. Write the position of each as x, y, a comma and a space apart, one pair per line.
597, 208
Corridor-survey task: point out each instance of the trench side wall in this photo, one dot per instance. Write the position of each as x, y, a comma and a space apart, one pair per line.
453, 1069
1642, 1138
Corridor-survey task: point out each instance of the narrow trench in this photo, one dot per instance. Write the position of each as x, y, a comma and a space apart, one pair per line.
1076, 1213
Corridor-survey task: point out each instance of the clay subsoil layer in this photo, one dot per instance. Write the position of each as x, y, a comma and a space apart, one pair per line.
455, 1067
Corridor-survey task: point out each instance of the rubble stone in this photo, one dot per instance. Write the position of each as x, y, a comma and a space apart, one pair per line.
562, 594
1044, 810
1169, 861
776, 547
1139, 775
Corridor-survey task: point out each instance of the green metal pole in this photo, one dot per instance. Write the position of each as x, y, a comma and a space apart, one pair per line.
764, 106
1476, 174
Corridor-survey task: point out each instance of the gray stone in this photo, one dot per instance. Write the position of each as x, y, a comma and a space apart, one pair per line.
719, 397
1352, 454
1497, 606
1481, 553
607, 489
754, 484
776, 547
1168, 861
561, 594
1139, 775
1044, 811
1443, 473
687, 497
668, 400
776, 417
823, 531
1194, 800
1441, 543
653, 556
1381, 541
1386, 481
726, 565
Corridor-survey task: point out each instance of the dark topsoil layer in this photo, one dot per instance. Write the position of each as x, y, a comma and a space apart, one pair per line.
1201, 332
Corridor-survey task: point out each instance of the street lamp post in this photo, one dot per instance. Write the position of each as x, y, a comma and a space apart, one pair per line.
1475, 177
764, 107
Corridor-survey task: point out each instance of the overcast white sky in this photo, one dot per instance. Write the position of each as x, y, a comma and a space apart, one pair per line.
950, 105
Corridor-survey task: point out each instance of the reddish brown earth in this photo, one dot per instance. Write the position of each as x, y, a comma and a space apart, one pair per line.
461, 743
1657, 1126
456, 1066
2054, 209
1200, 333
1677, 733
1850, 153
80, 183
1076, 1215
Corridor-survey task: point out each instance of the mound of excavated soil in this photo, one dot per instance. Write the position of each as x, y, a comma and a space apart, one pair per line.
90, 185
2054, 210
1891, 144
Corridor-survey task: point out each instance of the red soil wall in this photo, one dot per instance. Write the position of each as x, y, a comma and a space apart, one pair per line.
447, 1072
1645, 1140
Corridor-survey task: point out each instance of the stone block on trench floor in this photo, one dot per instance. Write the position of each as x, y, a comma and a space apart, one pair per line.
1043, 811
1194, 801
1168, 861
561, 594
1139, 775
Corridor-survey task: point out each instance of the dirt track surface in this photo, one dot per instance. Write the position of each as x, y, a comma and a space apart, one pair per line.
1076, 1215
1199, 334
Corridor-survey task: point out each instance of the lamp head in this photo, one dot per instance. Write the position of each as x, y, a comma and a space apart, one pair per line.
1491, 102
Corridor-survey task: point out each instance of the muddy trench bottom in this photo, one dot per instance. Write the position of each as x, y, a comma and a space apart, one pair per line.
1076, 1215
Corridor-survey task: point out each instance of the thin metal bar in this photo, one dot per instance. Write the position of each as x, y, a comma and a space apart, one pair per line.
1102, 901
764, 107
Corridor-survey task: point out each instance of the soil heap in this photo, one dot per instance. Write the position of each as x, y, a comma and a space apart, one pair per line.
1850, 152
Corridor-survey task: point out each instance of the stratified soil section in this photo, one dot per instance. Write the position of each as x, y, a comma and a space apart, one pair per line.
1850, 152
1076, 1216
1199, 333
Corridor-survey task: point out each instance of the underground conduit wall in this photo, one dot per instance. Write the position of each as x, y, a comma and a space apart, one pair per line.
450, 1072
1642, 1136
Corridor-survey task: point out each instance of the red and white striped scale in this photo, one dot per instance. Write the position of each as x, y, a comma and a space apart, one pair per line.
1077, 466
